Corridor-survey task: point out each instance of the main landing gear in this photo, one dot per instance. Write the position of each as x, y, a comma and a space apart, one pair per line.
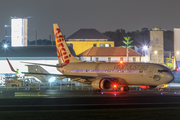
160, 89
124, 88
97, 91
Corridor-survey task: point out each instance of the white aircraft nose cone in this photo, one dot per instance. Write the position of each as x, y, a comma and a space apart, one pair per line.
169, 77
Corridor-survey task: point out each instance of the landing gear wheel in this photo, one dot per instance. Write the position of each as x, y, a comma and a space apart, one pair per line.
160, 89
122, 88
125, 88
96, 91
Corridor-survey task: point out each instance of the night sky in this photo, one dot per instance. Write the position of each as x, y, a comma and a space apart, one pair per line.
103, 15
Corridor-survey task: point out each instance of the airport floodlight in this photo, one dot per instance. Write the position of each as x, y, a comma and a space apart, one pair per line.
178, 52
7, 26
155, 52
52, 79
5, 46
145, 47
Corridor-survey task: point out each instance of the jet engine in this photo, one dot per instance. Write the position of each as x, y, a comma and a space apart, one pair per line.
103, 84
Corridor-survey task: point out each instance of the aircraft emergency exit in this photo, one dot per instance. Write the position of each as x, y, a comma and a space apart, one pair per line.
104, 76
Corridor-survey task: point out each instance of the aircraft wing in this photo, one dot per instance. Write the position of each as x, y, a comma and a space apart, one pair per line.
42, 64
58, 75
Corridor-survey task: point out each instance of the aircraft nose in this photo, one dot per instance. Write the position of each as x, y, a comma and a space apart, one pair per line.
169, 77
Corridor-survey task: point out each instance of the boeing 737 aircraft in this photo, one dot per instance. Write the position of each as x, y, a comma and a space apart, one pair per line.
104, 76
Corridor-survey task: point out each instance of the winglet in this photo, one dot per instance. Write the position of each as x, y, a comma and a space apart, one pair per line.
10, 65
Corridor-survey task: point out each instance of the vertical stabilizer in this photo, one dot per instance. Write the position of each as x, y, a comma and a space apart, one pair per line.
64, 55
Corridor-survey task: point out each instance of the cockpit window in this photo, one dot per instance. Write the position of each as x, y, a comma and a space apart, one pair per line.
162, 70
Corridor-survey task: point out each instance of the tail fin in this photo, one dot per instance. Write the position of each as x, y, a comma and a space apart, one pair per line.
10, 65
64, 55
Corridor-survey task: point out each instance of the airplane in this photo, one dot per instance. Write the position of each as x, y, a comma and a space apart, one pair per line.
102, 75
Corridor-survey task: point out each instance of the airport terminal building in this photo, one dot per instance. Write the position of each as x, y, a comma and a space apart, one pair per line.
35, 54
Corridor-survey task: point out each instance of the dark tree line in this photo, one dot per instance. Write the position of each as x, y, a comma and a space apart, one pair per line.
140, 38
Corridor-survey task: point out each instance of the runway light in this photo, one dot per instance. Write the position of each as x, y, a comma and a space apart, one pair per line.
102, 93
52, 79
161, 93
114, 94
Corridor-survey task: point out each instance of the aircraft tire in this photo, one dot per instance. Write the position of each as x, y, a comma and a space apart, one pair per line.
122, 88
126, 88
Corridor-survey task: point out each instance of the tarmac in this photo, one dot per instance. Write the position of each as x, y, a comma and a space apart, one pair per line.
76, 100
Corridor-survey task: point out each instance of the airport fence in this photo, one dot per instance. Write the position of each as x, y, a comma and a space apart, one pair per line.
69, 87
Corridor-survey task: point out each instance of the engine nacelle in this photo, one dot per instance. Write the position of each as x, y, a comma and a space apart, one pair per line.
102, 84
147, 87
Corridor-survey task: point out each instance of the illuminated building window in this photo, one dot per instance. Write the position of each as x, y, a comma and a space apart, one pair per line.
101, 45
107, 45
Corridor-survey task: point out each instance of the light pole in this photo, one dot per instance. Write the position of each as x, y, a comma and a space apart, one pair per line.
145, 53
52, 79
156, 53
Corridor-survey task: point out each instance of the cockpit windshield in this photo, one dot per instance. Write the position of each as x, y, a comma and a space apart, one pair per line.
163, 70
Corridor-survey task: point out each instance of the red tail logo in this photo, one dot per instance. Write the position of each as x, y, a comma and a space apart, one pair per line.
61, 50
